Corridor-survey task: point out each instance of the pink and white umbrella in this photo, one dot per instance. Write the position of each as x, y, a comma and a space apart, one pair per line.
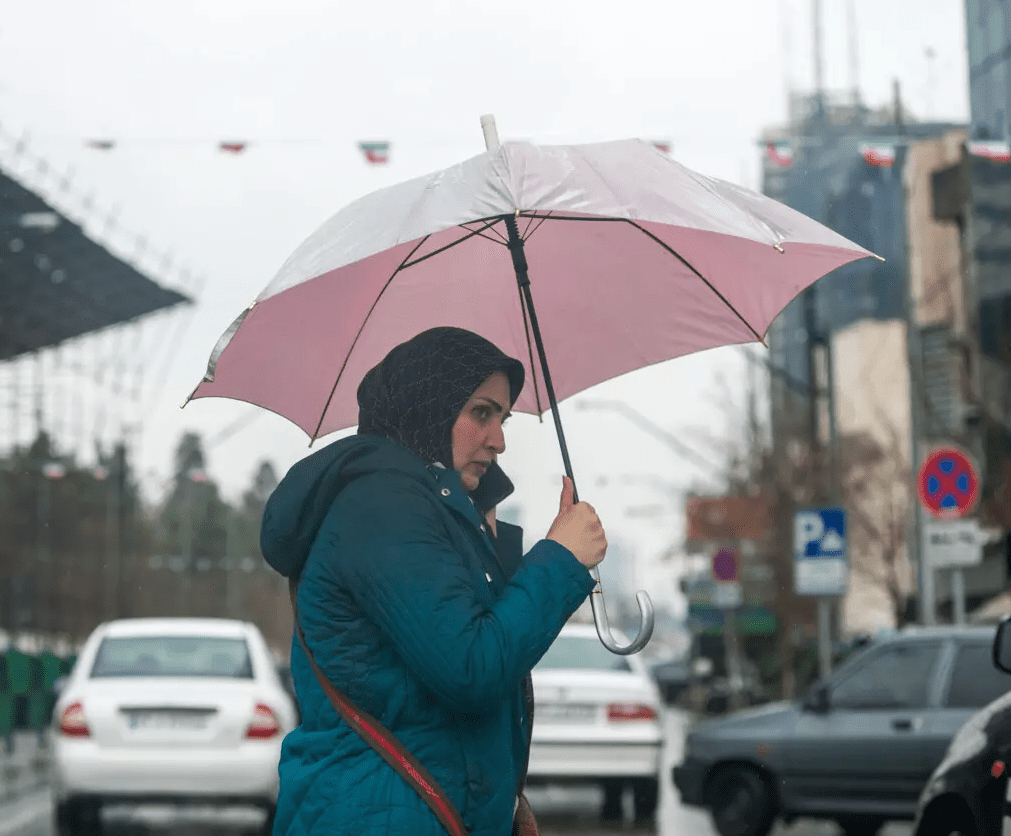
633, 260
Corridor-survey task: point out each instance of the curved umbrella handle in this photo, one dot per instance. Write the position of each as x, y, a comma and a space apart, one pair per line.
604, 627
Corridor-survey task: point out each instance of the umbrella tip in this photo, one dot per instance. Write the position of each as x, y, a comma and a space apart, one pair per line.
491, 142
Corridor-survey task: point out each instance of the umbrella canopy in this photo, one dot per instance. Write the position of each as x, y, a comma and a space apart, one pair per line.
633, 259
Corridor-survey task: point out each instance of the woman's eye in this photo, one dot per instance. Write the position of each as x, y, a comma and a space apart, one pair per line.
481, 412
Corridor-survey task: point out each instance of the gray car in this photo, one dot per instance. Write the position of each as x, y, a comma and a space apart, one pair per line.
858, 748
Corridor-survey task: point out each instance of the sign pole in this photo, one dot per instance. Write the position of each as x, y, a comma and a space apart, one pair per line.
824, 636
958, 596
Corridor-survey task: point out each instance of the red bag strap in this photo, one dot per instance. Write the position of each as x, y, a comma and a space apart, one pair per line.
382, 740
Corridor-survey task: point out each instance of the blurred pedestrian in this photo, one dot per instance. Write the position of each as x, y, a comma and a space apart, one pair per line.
417, 604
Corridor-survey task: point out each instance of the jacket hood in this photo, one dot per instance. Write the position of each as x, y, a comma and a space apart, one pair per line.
296, 509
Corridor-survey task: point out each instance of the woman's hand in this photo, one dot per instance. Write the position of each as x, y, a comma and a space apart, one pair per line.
578, 528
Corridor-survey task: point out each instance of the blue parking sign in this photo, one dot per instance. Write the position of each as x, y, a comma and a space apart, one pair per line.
821, 565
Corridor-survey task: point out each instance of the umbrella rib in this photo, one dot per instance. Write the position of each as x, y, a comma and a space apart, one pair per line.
501, 237
354, 342
452, 244
532, 231
591, 218
708, 283
676, 255
530, 223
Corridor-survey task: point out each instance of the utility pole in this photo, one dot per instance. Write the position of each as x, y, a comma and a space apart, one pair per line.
819, 67
914, 355
854, 53
824, 438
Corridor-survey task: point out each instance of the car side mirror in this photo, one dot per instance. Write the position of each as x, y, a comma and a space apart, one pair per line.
1002, 646
817, 699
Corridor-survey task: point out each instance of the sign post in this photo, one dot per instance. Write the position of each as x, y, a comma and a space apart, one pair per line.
727, 596
956, 544
948, 487
821, 567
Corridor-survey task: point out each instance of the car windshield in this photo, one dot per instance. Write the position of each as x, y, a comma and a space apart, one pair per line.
173, 656
581, 654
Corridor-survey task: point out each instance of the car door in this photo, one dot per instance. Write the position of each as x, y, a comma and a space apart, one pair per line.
865, 752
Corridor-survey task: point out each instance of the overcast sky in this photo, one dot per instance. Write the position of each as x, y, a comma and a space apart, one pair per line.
303, 82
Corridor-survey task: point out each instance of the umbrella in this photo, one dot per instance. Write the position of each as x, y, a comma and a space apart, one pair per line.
633, 260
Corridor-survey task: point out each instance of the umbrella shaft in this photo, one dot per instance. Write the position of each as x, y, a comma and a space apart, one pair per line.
523, 280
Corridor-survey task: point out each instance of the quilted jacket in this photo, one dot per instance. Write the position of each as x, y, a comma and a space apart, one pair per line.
426, 622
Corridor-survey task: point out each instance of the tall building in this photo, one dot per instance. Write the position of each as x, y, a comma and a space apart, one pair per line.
852, 168
988, 39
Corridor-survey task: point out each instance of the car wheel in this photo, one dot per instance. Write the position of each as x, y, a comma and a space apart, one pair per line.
76, 817
947, 823
268, 822
611, 810
645, 795
861, 826
741, 802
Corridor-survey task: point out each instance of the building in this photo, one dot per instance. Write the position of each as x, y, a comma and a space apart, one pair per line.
840, 353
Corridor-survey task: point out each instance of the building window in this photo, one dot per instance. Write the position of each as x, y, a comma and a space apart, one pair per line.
943, 402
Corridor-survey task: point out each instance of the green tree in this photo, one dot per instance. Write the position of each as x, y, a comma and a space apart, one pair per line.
194, 519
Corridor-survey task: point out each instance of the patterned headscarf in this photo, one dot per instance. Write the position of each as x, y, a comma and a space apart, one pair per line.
415, 394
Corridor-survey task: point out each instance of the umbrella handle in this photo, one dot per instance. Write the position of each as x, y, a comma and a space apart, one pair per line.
604, 628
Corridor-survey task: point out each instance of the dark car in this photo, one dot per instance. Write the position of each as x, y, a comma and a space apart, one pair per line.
858, 748
672, 678
966, 794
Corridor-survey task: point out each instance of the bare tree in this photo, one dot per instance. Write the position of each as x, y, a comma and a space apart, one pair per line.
876, 487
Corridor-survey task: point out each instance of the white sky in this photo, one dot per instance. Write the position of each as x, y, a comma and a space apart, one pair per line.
304, 81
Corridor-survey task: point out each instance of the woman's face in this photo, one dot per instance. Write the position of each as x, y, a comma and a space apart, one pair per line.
477, 434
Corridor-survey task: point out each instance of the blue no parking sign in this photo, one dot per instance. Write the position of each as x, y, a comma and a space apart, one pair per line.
820, 565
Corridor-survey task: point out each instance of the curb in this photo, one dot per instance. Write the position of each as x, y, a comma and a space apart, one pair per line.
18, 815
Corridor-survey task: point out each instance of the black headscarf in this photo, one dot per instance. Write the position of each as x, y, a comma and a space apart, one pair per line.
415, 394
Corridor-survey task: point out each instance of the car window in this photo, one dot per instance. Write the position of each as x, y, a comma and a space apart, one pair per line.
975, 681
577, 653
897, 676
173, 656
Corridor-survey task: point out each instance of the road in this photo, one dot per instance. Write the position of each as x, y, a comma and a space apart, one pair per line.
561, 811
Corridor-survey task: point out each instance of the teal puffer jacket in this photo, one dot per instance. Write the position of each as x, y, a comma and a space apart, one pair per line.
417, 615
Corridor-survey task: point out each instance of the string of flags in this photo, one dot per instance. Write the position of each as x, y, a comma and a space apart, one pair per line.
375, 152
882, 155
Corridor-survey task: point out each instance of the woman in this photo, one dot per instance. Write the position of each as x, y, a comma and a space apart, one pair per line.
415, 601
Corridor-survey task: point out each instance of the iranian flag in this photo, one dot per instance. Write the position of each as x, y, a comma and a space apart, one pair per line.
662, 145
232, 147
780, 153
882, 156
376, 153
999, 152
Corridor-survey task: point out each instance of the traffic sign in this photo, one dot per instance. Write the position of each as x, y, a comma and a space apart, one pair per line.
819, 551
948, 483
725, 564
956, 543
727, 595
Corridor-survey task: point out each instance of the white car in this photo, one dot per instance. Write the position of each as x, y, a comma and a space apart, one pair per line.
597, 719
179, 710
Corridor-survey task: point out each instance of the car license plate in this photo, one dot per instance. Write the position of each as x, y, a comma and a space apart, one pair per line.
166, 720
564, 712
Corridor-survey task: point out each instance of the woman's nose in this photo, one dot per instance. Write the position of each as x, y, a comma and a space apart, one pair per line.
496, 438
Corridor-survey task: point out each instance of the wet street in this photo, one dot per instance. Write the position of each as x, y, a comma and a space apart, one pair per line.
561, 811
